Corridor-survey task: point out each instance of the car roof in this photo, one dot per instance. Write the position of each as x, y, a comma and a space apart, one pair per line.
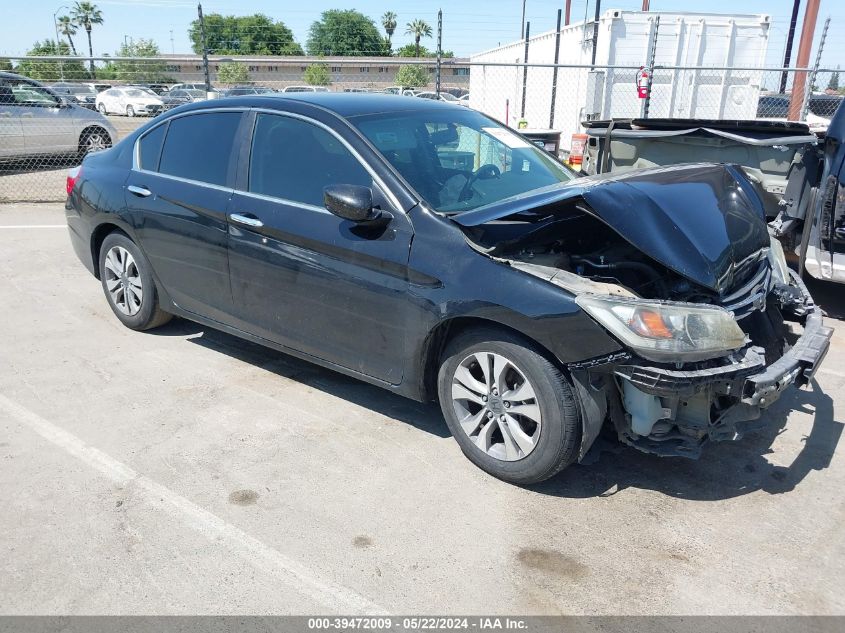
347, 104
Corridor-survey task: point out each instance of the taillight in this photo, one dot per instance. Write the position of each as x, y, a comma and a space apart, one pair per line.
73, 175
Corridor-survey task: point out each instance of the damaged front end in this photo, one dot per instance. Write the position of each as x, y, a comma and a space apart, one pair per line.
677, 265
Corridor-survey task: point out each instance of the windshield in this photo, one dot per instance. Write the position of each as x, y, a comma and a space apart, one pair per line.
459, 161
81, 90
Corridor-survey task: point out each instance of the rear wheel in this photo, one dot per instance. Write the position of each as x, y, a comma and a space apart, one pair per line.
510, 409
128, 284
93, 140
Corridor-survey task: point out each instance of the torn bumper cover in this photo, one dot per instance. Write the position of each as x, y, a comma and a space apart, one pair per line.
673, 412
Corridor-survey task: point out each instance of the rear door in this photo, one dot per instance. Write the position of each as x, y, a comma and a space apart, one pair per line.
177, 195
303, 277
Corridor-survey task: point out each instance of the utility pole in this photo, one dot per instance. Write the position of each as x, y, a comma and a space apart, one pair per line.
596, 33
522, 31
439, 49
172, 46
204, 52
805, 45
787, 54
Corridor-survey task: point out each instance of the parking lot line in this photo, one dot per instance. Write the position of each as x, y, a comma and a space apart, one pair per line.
34, 226
342, 599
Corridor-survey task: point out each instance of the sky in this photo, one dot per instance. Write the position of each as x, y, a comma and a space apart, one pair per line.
470, 26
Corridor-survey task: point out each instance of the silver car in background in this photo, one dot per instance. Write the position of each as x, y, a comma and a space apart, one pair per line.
35, 122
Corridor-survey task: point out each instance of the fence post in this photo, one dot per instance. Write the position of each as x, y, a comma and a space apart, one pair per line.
439, 49
554, 72
809, 91
650, 67
525, 71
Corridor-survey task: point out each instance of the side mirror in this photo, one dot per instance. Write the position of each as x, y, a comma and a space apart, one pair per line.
354, 203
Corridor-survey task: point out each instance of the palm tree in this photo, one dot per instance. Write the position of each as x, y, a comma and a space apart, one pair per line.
67, 28
418, 28
86, 15
388, 21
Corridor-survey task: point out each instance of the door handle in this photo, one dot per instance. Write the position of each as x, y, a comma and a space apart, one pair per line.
27, 114
142, 192
246, 219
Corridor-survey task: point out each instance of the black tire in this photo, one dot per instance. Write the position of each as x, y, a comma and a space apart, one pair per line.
560, 431
102, 109
149, 314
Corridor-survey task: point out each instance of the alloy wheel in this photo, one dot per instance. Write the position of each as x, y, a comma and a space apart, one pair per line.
496, 406
123, 281
102, 108
130, 111
96, 141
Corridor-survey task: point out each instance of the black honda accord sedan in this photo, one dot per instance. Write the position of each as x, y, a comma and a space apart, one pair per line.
426, 248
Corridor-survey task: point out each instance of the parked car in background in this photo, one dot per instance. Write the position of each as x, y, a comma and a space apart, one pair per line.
464, 100
776, 106
243, 91
84, 95
177, 97
191, 86
129, 101
36, 122
443, 96
410, 92
304, 89
427, 249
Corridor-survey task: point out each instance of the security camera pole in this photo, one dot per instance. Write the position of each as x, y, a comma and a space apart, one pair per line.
204, 53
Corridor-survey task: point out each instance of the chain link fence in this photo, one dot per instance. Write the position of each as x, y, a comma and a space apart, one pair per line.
41, 137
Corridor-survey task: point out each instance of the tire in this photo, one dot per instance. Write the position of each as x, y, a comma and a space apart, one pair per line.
136, 313
130, 111
544, 434
102, 109
93, 140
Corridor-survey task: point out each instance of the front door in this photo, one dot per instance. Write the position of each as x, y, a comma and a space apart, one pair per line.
308, 279
11, 133
177, 197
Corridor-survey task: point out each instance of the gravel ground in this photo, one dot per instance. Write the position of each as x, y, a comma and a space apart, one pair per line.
184, 471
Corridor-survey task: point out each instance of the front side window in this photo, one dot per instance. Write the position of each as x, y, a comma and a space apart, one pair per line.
199, 146
459, 161
295, 160
22, 93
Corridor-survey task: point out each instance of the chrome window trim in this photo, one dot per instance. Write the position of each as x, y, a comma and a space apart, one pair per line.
136, 156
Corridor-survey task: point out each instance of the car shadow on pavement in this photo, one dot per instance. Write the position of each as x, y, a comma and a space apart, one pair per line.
425, 417
725, 469
828, 295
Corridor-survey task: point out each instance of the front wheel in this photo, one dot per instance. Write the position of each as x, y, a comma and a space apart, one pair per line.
130, 111
510, 409
102, 109
129, 285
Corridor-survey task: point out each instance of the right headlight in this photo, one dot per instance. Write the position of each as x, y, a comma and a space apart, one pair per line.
666, 331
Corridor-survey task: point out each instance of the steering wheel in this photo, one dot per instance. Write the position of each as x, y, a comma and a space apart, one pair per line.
485, 172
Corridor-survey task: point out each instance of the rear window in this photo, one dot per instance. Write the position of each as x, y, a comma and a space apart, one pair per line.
149, 148
199, 147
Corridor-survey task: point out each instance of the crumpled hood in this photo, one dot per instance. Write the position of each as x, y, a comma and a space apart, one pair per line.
705, 222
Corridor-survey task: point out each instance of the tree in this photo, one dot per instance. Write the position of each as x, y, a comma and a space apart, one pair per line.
419, 29
6, 65
412, 76
388, 21
833, 84
317, 75
410, 50
50, 70
86, 15
347, 33
68, 29
233, 73
243, 35
131, 71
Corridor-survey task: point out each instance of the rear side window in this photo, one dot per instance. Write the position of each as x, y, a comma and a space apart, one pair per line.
199, 147
294, 160
149, 148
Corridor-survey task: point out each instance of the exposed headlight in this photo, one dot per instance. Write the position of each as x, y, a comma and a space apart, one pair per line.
666, 331
777, 260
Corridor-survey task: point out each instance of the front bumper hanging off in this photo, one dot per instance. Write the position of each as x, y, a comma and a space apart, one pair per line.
669, 411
